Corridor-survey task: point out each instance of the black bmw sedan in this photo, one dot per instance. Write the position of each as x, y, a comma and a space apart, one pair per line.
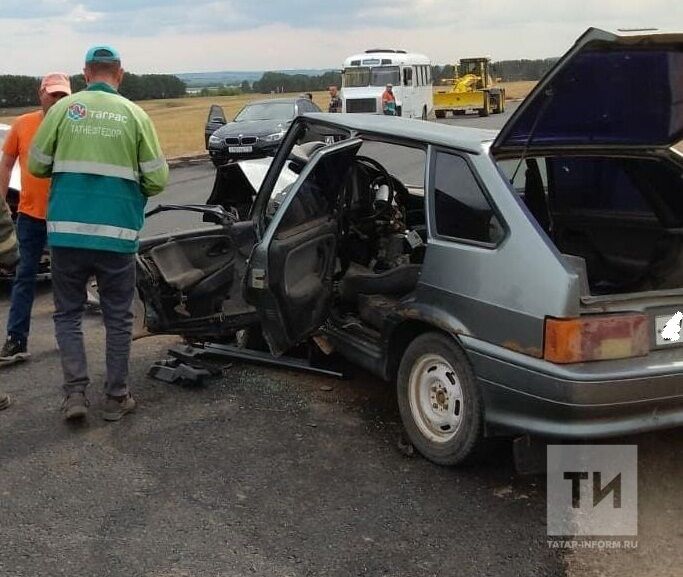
255, 132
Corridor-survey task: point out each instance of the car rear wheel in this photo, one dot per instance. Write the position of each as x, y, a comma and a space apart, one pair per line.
439, 400
440, 113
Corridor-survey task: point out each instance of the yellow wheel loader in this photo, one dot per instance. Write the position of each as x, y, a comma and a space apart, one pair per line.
472, 90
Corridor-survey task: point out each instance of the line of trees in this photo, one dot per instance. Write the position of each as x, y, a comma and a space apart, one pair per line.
511, 70
23, 90
506, 70
280, 82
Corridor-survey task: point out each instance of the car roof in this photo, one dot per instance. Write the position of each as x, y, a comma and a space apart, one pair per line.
460, 137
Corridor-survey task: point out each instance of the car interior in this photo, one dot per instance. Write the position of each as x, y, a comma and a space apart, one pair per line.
384, 233
621, 216
371, 252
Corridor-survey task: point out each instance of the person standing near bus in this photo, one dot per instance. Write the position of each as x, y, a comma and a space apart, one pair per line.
335, 100
389, 101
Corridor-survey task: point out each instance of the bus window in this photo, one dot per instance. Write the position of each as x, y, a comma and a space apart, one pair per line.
407, 76
382, 75
355, 77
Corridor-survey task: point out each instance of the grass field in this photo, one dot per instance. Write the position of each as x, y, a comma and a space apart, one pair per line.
518, 90
180, 121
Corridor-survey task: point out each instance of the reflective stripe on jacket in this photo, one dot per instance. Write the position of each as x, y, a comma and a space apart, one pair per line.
105, 160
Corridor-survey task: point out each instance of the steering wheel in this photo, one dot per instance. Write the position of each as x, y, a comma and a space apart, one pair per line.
384, 177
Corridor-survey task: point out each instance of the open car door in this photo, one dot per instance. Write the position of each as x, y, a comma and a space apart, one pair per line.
214, 121
289, 278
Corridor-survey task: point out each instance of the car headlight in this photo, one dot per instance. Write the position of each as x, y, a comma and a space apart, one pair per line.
274, 137
215, 140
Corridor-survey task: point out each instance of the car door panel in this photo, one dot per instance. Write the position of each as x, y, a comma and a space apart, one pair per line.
290, 271
306, 274
214, 120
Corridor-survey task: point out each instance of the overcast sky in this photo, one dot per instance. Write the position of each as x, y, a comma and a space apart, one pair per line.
37, 36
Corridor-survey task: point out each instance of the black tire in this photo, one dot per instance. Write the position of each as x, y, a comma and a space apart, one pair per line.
440, 113
442, 444
424, 113
486, 110
496, 105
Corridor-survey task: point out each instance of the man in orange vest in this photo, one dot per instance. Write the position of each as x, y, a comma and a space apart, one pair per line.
389, 101
31, 227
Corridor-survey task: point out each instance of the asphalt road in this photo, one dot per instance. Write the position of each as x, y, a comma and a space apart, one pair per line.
271, 472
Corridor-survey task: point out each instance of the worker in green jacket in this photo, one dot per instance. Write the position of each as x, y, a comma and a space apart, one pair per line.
103, 155
9, 255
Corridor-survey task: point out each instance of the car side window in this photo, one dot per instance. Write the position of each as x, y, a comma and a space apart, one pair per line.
461, 209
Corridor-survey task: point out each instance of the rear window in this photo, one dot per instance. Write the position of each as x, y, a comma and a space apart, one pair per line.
605, 96
634, 186
639, 187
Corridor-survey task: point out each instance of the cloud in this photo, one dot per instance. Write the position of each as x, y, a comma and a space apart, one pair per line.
186, 35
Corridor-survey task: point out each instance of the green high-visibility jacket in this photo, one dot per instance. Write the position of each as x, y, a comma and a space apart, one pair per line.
103, 155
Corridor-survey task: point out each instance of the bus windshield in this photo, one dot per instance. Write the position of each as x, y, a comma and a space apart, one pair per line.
376, 76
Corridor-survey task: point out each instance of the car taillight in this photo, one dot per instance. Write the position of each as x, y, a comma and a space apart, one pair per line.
596, 338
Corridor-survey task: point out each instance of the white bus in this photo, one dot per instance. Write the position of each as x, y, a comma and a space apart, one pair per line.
365, 76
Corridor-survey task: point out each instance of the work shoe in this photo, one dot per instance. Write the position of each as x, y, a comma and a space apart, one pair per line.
116, 407
5, 401
13, 351
75, 406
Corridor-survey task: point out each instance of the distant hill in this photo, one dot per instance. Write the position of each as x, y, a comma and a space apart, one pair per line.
235, 77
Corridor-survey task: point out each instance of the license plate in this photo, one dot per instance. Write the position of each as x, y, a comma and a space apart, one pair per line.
661, 322
240, 148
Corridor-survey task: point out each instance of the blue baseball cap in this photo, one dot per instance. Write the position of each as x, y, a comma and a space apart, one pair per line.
102, 54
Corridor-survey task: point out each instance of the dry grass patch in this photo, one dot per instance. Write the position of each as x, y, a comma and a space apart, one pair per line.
519, 89
513, 90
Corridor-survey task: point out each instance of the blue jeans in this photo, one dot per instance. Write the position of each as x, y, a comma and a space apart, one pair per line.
32, 236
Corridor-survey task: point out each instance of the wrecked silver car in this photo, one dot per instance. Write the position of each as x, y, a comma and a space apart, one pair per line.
509, 283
